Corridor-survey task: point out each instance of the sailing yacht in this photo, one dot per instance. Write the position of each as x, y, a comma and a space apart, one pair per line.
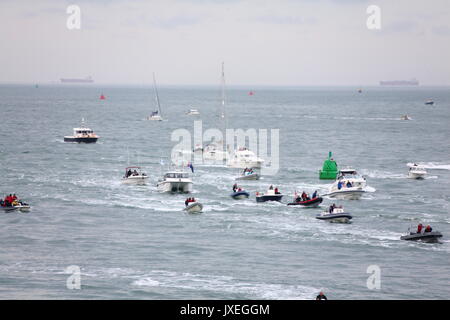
157, 114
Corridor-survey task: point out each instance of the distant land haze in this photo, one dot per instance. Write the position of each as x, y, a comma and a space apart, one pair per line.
412, 82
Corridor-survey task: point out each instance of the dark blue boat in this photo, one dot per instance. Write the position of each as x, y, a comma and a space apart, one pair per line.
238, 195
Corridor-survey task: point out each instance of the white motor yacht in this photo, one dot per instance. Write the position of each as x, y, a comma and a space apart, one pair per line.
417, 172
348, 185
176, 181
244, 158
193, 112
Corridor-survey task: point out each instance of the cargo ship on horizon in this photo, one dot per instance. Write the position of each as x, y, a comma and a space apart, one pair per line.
75, 80
412, 82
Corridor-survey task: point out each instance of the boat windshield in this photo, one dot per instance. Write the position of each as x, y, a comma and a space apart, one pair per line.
176, 175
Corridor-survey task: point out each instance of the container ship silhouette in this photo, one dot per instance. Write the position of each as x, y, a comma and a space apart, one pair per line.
412, 82
75, 80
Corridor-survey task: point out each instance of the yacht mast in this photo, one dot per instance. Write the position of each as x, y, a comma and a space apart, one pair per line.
156, 95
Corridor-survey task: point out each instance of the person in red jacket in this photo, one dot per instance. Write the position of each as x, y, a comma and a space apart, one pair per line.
419, 228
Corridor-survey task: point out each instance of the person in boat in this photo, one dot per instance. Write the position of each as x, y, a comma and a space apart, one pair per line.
135, 173
315, 195
128, 173
186, 202
419, 228
276, 191
239, 190
428, 228
321, 296
297, 197
235, 187
271, 187
349, 184
339, 185
304, 196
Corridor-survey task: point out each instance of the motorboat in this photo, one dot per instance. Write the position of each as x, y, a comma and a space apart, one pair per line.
309, 203
405, 117
429, 102
348, 185
336, 215
271, 195
175, 181
248, 174
428, 237
14, 205
193, 112
329, 169
157, 114
244, 158
134, 175
239, 194
194, 207
82, 134
214, 152
417, 172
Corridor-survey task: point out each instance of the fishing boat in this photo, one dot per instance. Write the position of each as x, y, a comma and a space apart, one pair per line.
329, 169
244, 158
417, 172
270, 195
82, 134
157, 114
194, 207
335, 215
134, 175
248, 174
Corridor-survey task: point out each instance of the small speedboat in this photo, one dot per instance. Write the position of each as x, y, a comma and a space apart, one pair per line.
337, 215
311, 203
22, 207
238, 195
429, 102
248, 174
194, 207
417, 172
134, 175
270, 195
405, 117
428, 237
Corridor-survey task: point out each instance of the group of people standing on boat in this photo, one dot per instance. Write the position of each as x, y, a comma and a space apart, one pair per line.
247, 171
236, 188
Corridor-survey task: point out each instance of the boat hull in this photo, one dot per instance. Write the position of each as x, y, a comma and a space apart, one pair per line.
313, 203
335, 217
21, 208
245, 164
194, 207
418, 176
253, 176
139, 180
174, 187
428, 237
266, 198
347, 194
81, 140
240, 195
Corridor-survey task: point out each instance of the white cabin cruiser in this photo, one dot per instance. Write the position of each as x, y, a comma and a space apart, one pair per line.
194, 207
176, 182
214, 152
348, 185
134, 175
417, 172
244, 158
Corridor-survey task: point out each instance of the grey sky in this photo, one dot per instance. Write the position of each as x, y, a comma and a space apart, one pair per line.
282, 42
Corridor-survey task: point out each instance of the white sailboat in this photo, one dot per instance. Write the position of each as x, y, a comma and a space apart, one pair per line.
157, 114
214, 152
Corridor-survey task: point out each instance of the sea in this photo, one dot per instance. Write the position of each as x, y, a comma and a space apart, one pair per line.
88, 236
